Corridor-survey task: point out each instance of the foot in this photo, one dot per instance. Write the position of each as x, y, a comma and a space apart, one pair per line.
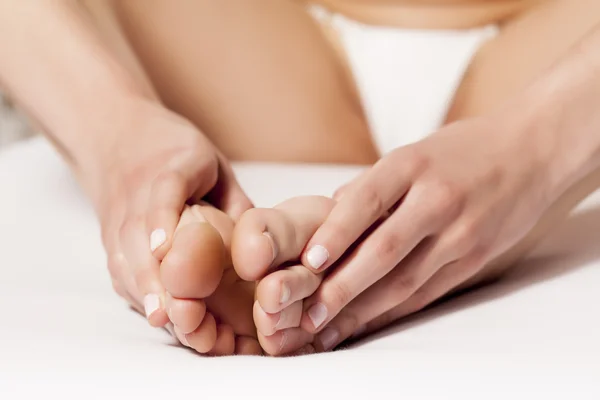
266, 247
209, 306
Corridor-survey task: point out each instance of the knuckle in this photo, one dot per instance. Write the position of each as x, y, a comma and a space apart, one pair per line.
338, 294
415, 160
370, 201
169, 179
466, 236
386, 251
446, 196
208, 169
404, 285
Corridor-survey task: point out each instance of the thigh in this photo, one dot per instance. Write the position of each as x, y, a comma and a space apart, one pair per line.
526, 46
258, 76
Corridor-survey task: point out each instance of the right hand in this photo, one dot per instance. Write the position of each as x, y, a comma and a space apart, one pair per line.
157, 163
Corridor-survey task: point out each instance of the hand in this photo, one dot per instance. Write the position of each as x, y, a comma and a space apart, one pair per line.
423, 220
160, 162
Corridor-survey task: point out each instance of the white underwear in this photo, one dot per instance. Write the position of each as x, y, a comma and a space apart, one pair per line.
406, 78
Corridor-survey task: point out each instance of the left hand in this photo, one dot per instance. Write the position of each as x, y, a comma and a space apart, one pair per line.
423, 220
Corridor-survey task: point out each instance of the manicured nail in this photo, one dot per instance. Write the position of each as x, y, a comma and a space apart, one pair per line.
329, 338
273, 244
285, 293
157, 238
151, 304
317, 314
317, 256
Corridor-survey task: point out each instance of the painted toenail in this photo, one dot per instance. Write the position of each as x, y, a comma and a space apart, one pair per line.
273, 244
317, 256
151, 304
317, 314
157, 238
285, 294
329, 338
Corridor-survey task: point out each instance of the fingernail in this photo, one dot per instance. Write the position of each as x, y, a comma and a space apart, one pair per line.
157, 238
317, 256
181, 337
317, 314
285, 293
151, 304
329, 338
273, 244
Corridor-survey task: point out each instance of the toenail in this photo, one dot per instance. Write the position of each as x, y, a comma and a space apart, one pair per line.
157, 238
151, 304
273, 244
329, 338
285, 294
317, 314
317, 256
181, 336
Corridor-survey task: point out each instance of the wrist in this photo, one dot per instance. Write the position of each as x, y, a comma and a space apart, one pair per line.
556, 123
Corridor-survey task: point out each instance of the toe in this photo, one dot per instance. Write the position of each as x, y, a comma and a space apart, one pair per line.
267, 324
285, 341
203, 339
185, 314
194, 265
225, 344
248, 346
281, 288
275, 236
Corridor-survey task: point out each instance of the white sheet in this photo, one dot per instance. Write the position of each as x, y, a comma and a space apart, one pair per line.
63, 332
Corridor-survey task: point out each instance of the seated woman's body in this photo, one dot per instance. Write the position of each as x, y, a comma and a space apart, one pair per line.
265, 81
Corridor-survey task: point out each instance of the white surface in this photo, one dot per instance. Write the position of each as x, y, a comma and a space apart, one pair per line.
63, 333
406, 77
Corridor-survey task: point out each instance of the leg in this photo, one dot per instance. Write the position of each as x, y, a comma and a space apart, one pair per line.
258, 76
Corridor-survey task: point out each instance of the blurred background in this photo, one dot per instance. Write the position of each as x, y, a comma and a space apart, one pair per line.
13, 125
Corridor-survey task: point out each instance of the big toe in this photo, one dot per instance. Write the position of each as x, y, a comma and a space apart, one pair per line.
193, 267
265, 239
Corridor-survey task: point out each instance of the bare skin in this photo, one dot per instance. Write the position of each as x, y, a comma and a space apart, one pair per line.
309, 111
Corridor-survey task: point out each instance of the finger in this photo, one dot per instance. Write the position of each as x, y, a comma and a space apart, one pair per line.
203, 339
371, 311
281, 288
227, 195
391, 242
267, 238
363, 203
144, 268
169, 192
268, 324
